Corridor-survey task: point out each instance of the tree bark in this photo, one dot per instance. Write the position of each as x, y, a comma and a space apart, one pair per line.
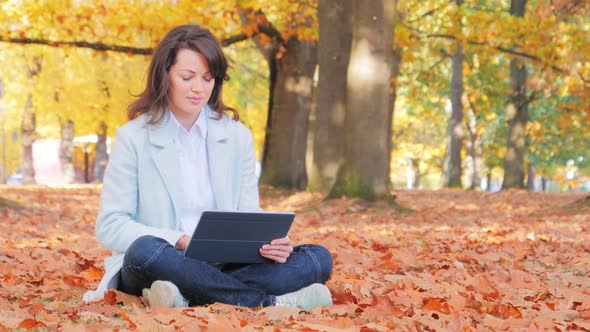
453, 171
364, 167
66, 149
518, 116
28, 137
335, 19
283, 162
100, 153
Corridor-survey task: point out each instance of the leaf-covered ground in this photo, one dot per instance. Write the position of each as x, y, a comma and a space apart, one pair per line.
462, 261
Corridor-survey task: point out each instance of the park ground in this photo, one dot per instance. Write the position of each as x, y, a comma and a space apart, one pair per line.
450, 260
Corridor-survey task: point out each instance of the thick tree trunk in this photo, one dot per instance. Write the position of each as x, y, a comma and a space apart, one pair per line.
364, 166
291, 68
518, 116
100, 155
531, 176
283, 162
335, 18
453, 172
28, 136
66, 149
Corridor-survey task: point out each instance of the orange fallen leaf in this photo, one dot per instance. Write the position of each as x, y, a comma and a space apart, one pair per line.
36, 308
92, 273
113, 297
483, 286
436, 304
74, 281
29, 324
24, 301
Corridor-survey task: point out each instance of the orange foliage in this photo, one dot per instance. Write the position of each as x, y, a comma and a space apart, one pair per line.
461, 261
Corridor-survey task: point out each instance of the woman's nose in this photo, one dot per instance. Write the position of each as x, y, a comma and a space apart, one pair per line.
197, 86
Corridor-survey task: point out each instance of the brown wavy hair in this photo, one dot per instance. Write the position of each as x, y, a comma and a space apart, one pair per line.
153, 101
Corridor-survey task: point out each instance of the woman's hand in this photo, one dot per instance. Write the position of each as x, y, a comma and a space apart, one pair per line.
183, 242
278, 250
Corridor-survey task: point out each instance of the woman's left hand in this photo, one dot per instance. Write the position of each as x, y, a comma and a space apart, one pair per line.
278, 250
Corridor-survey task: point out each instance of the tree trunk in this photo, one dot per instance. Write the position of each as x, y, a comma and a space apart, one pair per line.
396, 64
283, 162
474, 160
29, 124
335, 18
413, 173
28, 136
518, 116
531, 175
100, 153
453, 172
3, 134
100, 149
66, 149
364, 165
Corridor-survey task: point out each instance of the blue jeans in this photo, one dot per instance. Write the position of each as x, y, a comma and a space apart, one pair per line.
151, 258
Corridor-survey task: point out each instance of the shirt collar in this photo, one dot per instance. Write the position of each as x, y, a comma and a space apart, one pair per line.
200, 126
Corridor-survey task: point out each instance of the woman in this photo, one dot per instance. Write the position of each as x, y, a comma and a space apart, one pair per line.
179, 155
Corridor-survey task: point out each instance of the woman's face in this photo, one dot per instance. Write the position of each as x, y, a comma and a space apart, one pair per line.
190, 84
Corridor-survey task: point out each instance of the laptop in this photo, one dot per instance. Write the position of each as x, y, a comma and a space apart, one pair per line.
235, 237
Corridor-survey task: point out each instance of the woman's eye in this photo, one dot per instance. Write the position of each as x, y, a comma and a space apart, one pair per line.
207, 79
185, 78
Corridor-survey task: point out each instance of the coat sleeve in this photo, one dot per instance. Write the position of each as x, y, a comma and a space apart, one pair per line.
116, 227
249, 199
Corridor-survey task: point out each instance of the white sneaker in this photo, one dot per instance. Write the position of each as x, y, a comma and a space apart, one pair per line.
164, 294
306, 298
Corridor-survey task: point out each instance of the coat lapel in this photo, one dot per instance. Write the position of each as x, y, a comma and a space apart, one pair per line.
218, 149
166, 161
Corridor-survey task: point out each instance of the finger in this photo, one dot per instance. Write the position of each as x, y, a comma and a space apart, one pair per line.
275, 253
283, 241
277, 259
284, 248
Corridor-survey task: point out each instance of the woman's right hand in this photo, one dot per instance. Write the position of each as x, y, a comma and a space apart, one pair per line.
183, 242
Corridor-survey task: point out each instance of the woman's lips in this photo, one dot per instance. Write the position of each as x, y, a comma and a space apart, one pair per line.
195, 101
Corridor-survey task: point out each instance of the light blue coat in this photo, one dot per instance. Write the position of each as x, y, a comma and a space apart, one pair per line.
142, 185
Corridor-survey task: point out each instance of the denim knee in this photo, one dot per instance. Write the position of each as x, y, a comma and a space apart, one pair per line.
143, 250
324, 259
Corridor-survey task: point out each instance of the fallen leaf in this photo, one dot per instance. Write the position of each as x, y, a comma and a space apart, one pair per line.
29, 324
